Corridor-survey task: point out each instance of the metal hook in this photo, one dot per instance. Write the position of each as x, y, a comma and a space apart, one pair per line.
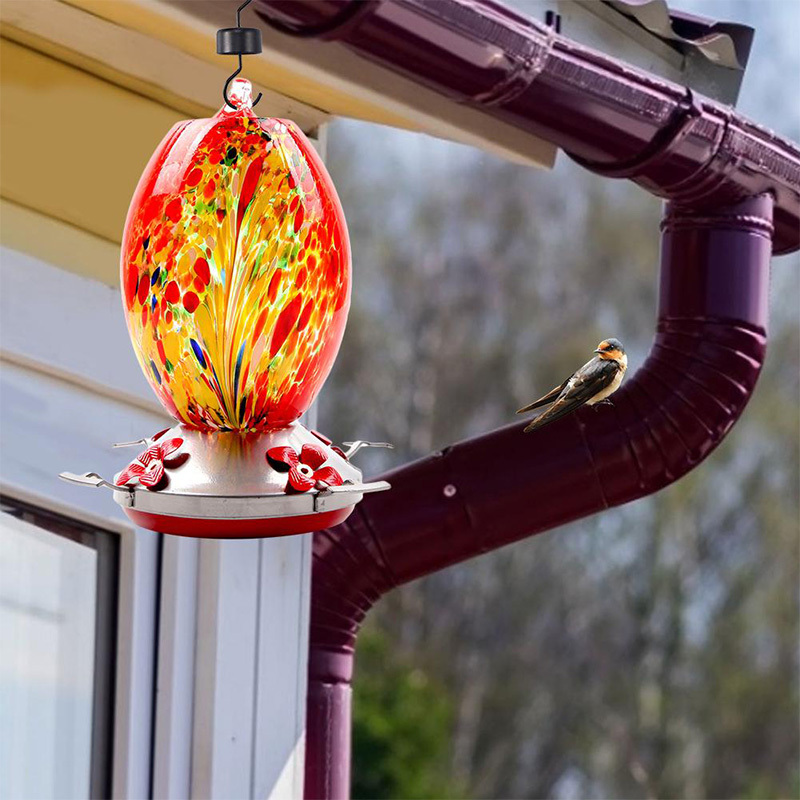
229, 81
238, 41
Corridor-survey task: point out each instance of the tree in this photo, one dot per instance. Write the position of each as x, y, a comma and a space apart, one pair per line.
401, 722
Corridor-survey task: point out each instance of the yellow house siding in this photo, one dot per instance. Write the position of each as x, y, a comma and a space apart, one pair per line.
73, 144
59, 243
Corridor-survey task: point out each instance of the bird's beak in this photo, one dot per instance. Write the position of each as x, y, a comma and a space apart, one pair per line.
598, 350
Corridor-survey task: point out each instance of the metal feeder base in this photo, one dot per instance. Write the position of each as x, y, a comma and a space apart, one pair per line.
221, 485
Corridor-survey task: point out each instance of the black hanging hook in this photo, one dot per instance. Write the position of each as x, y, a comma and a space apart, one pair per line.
238, 41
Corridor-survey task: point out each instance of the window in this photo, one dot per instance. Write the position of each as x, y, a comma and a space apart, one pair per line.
58, 610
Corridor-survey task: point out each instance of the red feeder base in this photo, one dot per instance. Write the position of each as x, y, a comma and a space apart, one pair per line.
237, 528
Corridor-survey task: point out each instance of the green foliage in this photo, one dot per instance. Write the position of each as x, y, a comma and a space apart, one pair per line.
401, 725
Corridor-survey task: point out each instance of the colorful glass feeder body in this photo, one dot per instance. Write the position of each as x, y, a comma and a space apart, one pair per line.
235, 274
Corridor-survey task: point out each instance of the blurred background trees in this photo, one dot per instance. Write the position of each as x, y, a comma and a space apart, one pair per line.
650, 651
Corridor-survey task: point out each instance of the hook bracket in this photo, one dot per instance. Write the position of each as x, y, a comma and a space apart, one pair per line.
238, 41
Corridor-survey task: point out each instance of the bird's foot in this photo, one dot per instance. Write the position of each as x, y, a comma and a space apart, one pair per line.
605, 402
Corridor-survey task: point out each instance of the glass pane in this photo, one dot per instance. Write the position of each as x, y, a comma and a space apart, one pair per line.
48, 591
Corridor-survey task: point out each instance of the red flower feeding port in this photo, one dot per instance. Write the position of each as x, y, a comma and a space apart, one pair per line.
148, 469
305, 470
236, 277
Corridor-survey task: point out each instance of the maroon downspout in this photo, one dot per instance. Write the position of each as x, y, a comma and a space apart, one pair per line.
487, 492
725, 177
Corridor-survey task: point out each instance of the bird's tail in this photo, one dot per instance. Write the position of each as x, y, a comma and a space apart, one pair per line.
551, 415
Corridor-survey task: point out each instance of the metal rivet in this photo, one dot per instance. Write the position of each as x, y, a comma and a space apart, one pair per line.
449, 490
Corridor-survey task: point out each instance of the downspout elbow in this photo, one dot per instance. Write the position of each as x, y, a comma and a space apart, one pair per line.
504, 486
708, 351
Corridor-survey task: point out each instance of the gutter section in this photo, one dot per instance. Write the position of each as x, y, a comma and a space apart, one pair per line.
478, 495
612, 118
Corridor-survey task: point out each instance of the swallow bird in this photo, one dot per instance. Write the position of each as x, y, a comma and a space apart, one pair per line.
593, 383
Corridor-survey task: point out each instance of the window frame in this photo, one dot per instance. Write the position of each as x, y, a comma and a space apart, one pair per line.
106, 544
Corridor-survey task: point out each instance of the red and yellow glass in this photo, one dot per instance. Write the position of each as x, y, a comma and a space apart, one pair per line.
236, 271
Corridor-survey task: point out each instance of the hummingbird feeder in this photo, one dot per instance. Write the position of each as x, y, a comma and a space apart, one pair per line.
236, 279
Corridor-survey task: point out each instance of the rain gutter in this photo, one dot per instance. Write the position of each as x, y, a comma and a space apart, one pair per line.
614, 119
734, 192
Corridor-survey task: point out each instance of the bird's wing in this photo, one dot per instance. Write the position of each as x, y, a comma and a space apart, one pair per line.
582, 387
548, 398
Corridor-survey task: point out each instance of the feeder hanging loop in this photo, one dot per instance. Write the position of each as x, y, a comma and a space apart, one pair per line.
238, 41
